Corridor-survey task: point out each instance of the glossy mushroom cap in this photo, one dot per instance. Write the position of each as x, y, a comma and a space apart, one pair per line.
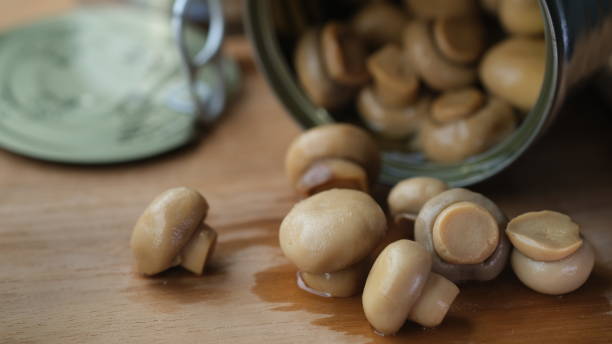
332, 141
558, 277
521, 17
424, 228
408, 196
395, 81
332, 230
165, 228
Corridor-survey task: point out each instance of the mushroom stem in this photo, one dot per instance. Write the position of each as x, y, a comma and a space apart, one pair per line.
343, 283
200, 247
431, 307
330, 174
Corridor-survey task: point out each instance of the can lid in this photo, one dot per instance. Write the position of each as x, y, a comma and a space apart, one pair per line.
100, 84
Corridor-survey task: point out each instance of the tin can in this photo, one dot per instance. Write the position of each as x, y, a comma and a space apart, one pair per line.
578, 38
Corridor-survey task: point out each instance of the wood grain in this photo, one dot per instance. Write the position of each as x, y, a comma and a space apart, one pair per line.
66, 272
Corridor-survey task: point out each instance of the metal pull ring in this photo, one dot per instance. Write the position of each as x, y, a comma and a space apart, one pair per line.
208, 100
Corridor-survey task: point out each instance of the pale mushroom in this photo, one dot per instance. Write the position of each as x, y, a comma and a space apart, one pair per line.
464, 232
332, 156
170, 232
400, 286
343, 283
408, 196
395, 81
521, 17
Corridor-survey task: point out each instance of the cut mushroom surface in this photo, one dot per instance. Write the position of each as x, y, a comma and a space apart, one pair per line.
332, 230
457, 104
460, 39
558, 277
396, 82
344, 55
544, 235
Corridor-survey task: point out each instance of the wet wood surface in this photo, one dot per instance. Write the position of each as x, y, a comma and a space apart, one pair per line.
66, 272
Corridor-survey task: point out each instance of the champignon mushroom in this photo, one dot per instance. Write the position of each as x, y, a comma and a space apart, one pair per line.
521, 17
343, 283
332, 230
558, 277
379, 23
170, 232
400, 287
389, 121
514, 70
344, 55
313, 75
460, 39
395, 81
455, 141
331, 156
544, 235
464, 222
408, 196
457, 104
429, 9
436, 70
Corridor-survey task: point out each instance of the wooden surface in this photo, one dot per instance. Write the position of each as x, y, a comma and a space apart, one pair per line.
66, 271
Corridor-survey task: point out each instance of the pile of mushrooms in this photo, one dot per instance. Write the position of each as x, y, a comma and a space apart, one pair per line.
428, 77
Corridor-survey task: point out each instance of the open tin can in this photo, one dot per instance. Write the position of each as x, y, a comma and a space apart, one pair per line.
578, 37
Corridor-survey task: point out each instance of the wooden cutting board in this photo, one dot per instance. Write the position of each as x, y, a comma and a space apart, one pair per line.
66, 271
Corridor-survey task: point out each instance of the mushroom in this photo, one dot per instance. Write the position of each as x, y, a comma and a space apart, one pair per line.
521, 17
395, 81
558, 277
544, 235
436, 70
331, 156
400, 286
343, 283
170, 232
457, 104
460, 39
389, 121
332, 230
455, 141
514, 70
464, 232
549, 256
429, 9
408, 196
344, 55
313, 74
379, 23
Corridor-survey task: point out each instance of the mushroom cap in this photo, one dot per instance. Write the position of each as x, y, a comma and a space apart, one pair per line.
457, 104
332, 230
558, 277
389, 121
487, 270
379, 23
313, 75
544, 235
394, 284
514, 70
455, 141
435, 70
521, 17
396, 82
344, 55
430, 9
409, 195
339, 140
332, 174
344, 283
165, 227
460, 39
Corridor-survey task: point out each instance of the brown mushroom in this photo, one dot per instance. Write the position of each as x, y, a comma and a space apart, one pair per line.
430, 9
408, 196
344, 55
514, 70
313, 159
343, 283
457, 104
469, 228
170, 232
400, 287
313, 75
460, 39
557, 277
395, 81
436, 70
455, 141
390, 121
521, 17
379, 23
332, 230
